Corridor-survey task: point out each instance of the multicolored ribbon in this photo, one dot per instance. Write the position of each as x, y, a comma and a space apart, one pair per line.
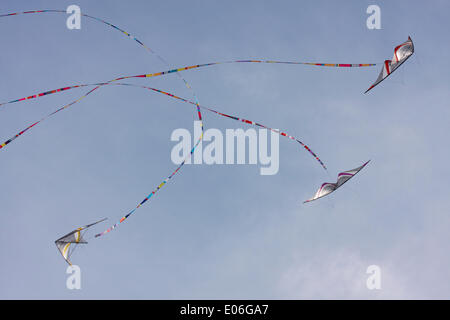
157, 74
250, 122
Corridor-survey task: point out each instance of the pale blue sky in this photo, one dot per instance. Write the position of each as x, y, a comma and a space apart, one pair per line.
226, 231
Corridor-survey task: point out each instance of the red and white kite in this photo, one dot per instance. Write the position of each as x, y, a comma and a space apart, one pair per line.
328, 187
401, 54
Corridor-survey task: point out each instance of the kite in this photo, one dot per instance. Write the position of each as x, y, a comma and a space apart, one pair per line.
401, 53
327, 188
67, 244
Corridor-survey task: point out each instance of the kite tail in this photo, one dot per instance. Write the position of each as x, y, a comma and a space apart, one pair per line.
160, 74
236, 118
281, 133
117, 79
193, 149
48, 116
233, 118
152, 193
177, 70
197, 103
154, 75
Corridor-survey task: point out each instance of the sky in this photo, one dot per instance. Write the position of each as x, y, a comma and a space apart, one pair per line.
225, 231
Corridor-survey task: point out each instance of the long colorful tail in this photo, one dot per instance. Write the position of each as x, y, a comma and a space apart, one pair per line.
196, 103
157, 74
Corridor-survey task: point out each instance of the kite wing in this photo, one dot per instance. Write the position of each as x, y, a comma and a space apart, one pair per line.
401, 54
67, 244
328, 187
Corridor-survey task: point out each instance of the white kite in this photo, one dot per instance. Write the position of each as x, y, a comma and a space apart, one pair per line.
67, 244
328, 187
401, 54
